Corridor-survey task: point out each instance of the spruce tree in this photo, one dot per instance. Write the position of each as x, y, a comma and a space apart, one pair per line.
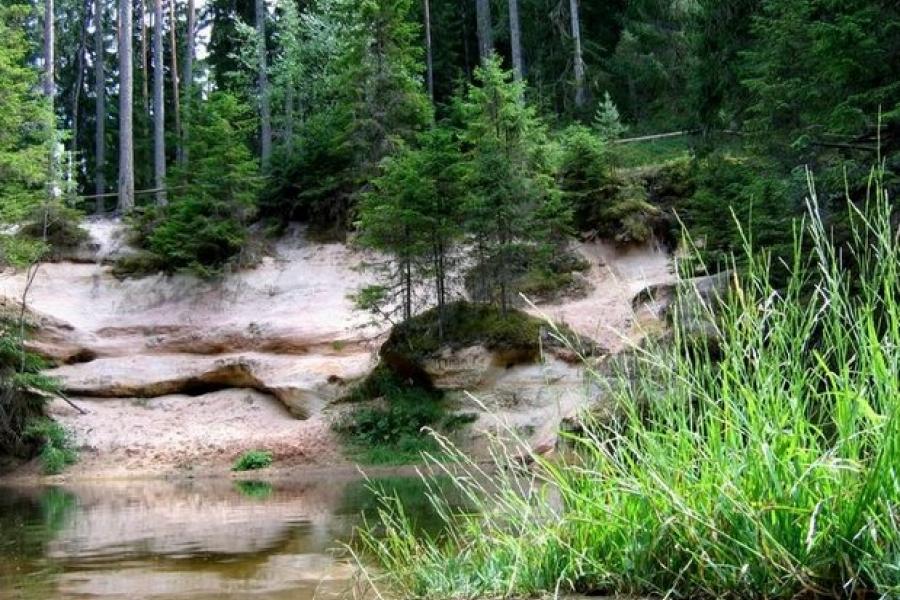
513, 207
412, 214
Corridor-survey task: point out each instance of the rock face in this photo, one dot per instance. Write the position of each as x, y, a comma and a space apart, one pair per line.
172, 369
304, 384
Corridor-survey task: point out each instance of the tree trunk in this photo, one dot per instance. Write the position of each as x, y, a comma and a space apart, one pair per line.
79, 76
188, 83
580, 95
159, 109
464, 7
145, 78
429, 51
485, 33
49, 85
265, 114
100, 107
176, 99
515, 40
126, 115
289, 117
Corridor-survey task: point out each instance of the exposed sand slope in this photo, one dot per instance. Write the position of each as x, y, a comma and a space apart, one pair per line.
173, 371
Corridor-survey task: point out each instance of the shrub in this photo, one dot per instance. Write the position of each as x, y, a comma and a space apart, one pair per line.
253, 460
393, 433
57, 451
55, 222
770, 472
23, 389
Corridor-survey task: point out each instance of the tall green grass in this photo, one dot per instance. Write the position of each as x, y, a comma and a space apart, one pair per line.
762, 464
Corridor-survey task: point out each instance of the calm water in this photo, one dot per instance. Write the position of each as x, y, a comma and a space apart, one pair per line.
188, 539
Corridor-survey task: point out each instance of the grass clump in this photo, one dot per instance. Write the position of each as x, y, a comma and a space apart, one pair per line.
253, 460
770, 471
57, 451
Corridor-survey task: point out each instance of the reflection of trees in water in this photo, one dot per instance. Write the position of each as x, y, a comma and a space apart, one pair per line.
30, 520
365, 498
254, 490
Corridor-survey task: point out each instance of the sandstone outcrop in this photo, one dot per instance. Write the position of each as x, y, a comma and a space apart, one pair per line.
173, 370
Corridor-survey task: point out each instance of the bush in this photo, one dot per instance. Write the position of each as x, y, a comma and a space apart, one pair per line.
393, 433
613, 206
770, 472
23, 390
253, 460
57, 451
57, 223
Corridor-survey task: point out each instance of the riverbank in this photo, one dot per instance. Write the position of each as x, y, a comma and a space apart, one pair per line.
180, 375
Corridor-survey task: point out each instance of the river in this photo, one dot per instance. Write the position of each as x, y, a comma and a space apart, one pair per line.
190, 539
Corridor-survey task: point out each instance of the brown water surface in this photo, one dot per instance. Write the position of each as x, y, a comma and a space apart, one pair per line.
193, 539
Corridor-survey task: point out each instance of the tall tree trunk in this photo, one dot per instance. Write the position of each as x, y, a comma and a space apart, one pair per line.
265, 113
159, 108
188, 82
515, 40
485, 32
100, 107
429, 51
176, 99
79, 76
49, 85
289, 117
126, 115
464, 7
580, 94
145, 77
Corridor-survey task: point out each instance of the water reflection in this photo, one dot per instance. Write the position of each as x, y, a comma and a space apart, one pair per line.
188, 539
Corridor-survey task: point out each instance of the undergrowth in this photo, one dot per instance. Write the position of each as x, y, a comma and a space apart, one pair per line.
253, 460
767, 471
57, 450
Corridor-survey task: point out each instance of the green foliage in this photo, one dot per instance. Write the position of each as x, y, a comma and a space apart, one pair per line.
413, 214
204, 225
465, 324
55, 225
57, 451
253, 460
255, 490
606, 120
397, 428
23, 389
25, 121
393, 434
603, 201
766, 473
511, 199
743, 187
818, 67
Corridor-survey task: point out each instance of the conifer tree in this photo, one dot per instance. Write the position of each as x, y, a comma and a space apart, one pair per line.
513, 207
381, 79
412, 214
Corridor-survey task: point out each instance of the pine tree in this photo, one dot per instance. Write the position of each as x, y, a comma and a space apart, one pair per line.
513, 208
412, 214
606, 120
24, 147
381, 79
204, 225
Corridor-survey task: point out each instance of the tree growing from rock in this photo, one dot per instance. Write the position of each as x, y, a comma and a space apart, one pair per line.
512, 206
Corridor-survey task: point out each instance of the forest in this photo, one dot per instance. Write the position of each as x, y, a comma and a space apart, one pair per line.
466, 150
